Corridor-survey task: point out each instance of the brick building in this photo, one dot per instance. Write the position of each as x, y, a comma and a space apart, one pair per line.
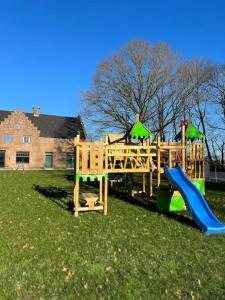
37, 141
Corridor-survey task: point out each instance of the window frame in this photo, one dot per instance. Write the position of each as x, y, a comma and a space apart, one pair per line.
24, 139
24, 157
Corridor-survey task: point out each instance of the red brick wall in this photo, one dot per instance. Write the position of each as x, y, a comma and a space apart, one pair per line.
38, 146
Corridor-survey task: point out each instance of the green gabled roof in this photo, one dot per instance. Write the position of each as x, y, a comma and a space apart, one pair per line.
139, 131
192, 132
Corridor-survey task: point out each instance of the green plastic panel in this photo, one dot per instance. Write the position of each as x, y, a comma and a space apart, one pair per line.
171, 203
176, 203
200, 184
192, 132
91, 177
140, 131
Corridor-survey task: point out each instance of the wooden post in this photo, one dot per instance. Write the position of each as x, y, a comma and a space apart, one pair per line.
76, 196
105, 165
75, 168
137, 117
105, 195
158, 162
194, 160
158, 167
170, 155
183, 149
148, 187
106, 177
148, 153
190, 158
143, 183
100, 190
203, 160
151, 188
77, 153
76, 183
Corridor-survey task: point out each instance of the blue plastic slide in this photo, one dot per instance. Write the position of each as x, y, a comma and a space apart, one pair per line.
195, 202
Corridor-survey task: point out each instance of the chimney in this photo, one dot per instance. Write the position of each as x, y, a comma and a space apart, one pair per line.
36, 111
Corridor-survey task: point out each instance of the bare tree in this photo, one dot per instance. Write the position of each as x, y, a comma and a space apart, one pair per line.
201, 73
213, 146
184, 97
138, 79
221, 148
218, 149
217, 96
151, 81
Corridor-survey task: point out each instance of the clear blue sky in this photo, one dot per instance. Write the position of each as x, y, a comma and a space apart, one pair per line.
49, 49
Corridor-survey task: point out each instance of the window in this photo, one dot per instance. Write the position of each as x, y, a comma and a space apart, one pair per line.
7, 138
22, 157
26, 139
70, 161
18, 126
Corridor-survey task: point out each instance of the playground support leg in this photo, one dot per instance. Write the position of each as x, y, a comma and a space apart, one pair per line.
158, 166
151, 189
149, 186
76, 197
131, 182
144, 183
126, 182
183, 141
105, 196
100, 190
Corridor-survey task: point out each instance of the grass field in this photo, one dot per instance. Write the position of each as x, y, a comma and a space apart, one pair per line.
133, 253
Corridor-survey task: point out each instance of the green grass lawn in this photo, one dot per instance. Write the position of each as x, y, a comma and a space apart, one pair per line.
133, 253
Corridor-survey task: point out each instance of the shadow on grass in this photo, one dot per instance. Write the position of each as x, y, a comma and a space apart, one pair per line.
152, 206
70, 177
68, 174
60, 197
57, 195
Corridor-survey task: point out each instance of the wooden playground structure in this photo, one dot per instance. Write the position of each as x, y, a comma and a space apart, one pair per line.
135, 152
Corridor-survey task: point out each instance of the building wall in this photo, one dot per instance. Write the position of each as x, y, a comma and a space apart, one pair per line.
37, 147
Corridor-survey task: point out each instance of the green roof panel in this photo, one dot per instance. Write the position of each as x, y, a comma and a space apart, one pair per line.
139, 131
192, 132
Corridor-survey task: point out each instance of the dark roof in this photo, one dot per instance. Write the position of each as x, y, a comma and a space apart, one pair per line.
53, 126
4, 114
